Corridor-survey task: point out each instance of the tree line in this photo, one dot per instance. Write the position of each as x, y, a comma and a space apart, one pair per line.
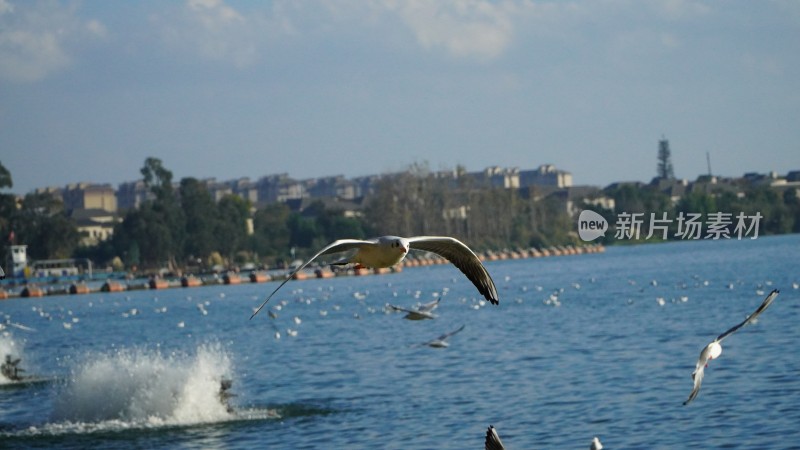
182, 227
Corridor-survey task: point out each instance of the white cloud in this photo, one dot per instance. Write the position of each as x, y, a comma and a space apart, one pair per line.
96, 28
464, 28
29, 55
218, 32
678, 9
35, 38
6, 7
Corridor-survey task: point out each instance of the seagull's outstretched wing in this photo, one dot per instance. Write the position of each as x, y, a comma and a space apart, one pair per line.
398, 308
334, 247
462, 257
764, 305
493, 441
699, 372
428, 307
447, 335
20, 326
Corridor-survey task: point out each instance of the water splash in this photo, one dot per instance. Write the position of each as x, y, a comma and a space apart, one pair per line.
133, 388
9, 347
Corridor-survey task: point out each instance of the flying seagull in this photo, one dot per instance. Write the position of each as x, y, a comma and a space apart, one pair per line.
596, 445
441, 341
493, 441
386, 251
421, 313
714, 349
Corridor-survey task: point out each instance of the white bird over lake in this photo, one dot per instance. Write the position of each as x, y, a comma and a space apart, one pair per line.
386, 251
714, 349
423, 312
441, 341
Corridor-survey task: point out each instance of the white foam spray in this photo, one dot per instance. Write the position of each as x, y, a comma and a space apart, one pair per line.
9, 346
135, 388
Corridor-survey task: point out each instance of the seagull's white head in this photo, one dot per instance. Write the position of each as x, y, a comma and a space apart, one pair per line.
714, 351
395, 242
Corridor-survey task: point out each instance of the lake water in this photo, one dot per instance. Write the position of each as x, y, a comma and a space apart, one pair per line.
614, 359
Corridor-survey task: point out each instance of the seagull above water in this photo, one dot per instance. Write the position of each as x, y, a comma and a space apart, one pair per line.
714, 349
441, 341
493, 441
386, 251
421, 313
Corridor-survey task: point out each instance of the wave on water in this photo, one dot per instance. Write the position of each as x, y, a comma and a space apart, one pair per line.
133, 389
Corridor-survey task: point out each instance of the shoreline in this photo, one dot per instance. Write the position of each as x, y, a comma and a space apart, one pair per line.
36, 290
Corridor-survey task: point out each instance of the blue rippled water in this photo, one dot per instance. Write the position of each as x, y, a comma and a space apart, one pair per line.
580, 346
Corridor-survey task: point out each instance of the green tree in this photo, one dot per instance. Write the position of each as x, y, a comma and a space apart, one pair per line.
271, 234
5, 177
8, 208
304, 231
697, 202
43, 226
168, 221
201, 217
143, 238
231, 225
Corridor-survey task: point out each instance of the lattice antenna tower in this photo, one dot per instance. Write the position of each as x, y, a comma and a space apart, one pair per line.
665, 169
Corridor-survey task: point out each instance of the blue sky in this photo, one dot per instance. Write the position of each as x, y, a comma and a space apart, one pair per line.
225, 89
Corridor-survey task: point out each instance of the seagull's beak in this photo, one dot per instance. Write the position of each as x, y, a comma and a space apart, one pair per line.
405, 250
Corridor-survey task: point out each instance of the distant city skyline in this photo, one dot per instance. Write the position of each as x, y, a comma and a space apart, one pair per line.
176, 180
227, 89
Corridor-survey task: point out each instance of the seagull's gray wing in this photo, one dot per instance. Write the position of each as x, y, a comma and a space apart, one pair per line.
699, 372
493, 441
397, 308
697, 376
428, 307
764, 305
20, 326
334, 247
447, 335
462, 257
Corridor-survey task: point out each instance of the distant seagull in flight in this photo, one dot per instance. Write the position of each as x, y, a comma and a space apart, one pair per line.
386, 251
596, 445
493, 441
421, 313
714, 349
441, 341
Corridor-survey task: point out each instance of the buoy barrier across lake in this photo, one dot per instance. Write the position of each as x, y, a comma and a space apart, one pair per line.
187, 281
